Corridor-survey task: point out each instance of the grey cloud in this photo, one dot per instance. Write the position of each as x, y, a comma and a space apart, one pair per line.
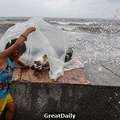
60, 8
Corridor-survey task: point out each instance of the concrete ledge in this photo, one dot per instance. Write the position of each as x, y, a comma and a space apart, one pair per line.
88, 102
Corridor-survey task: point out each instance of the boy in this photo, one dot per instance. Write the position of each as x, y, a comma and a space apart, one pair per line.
8, 57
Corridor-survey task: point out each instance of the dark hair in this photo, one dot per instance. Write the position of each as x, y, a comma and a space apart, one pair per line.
21, 49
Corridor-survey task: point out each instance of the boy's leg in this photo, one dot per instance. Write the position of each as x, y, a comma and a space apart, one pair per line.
11, 108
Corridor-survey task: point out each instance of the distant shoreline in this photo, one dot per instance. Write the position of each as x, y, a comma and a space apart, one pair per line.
56, 18
14, 18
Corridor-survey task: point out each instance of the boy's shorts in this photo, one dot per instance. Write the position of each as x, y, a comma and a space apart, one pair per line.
4, 101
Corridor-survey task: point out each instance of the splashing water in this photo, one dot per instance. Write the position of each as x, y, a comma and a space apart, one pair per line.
93, 40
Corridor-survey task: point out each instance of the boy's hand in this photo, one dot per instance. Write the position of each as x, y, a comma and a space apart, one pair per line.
27, 32
31, 29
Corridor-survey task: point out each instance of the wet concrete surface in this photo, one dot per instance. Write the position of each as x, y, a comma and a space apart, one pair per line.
88, 102
75, 76
104, 74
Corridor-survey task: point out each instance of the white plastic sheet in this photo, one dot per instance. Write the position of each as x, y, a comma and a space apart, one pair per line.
47, 39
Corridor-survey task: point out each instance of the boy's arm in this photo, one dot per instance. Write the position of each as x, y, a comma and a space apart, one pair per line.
22, 66
5, 53
20, 63
18, 43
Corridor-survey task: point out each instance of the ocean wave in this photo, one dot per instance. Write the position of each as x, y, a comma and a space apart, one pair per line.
93, 29
4, 27
58, 23
82, 23
108, 27
72, 23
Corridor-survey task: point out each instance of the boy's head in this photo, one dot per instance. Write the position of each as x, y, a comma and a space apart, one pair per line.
18, 52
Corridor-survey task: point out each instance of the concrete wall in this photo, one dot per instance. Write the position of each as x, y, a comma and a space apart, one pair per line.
88, 102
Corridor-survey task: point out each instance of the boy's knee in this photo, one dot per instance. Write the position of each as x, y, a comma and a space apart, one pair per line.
11, 107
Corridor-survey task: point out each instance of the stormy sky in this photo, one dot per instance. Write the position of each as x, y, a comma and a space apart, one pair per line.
61, 8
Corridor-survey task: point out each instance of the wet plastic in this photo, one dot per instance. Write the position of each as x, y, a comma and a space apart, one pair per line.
47, 39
